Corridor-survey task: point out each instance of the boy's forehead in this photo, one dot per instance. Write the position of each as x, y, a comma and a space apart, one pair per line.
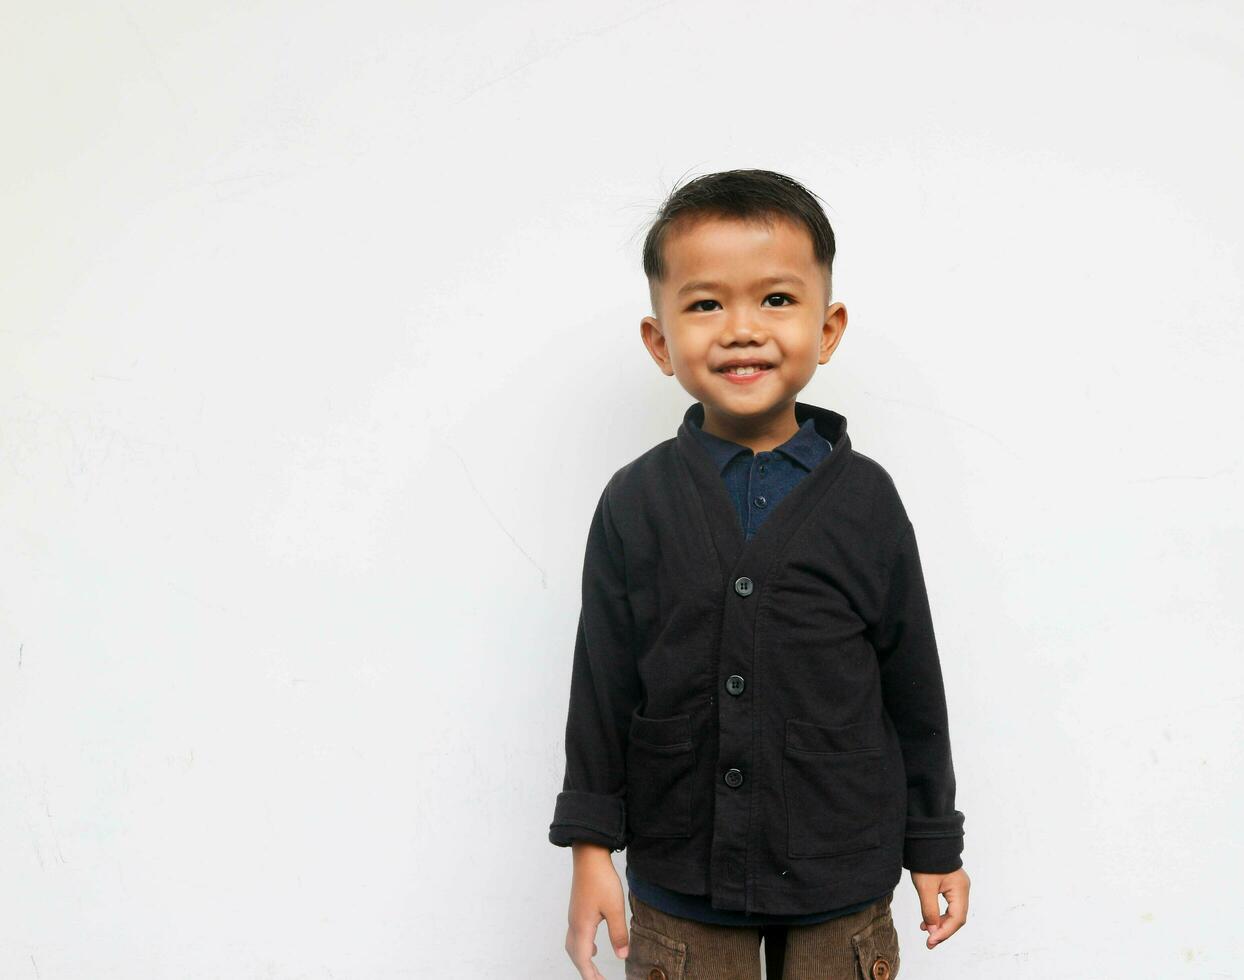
713, 247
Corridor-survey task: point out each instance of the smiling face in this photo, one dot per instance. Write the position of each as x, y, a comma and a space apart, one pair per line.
743, 293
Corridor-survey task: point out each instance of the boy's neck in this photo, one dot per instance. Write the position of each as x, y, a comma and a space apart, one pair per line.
759, 433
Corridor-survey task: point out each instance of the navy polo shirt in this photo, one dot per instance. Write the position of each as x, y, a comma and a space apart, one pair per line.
756, 481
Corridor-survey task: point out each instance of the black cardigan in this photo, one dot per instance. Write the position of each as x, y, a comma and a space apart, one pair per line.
760, 721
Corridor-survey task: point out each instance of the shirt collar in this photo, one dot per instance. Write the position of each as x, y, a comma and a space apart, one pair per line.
807, 447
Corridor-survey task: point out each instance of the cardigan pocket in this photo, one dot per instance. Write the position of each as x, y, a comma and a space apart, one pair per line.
832, 785
660, 770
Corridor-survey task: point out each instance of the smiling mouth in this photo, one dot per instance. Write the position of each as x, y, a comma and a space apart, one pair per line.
746, 370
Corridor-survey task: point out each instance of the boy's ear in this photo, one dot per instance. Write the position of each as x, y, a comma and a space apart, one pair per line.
832, 329
654, 340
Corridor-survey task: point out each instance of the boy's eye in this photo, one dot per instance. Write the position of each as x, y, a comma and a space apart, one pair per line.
789, 301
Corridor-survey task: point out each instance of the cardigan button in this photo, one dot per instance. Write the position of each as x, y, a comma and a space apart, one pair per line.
743, 585
734, 684
734, 778
881, 969
656, 973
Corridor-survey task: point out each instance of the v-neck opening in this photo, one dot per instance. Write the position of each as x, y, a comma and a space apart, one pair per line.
729, 536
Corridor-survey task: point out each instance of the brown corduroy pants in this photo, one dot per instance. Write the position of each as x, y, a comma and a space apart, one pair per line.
860, 946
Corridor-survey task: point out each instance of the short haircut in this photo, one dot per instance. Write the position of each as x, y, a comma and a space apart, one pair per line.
749, 195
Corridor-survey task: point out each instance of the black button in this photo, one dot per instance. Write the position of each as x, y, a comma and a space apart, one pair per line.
760, 502
743, 585
762, 469
734, 778
734, 684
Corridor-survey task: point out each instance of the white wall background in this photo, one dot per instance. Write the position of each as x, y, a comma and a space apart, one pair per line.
319, 329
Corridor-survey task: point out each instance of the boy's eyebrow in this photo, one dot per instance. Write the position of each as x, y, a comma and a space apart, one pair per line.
767, 281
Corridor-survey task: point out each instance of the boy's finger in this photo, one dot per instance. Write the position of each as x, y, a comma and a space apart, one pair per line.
615, 918
956, 911
957, 900
948, 923
930, 907
579, 940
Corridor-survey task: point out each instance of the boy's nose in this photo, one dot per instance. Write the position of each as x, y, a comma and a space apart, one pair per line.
740, 325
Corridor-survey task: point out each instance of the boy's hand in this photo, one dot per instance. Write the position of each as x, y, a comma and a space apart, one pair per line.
595, 894
954, 885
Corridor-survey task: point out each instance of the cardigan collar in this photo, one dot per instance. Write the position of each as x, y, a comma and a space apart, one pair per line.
807, 447
718, 508
828, 424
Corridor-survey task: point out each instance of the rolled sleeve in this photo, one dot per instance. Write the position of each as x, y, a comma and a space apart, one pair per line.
593, 817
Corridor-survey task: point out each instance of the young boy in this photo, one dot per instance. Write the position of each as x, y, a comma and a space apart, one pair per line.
756, 712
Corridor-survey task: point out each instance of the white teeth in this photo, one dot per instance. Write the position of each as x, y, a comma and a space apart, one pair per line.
749, 369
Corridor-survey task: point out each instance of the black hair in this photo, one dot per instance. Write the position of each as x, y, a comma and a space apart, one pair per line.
749, 195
